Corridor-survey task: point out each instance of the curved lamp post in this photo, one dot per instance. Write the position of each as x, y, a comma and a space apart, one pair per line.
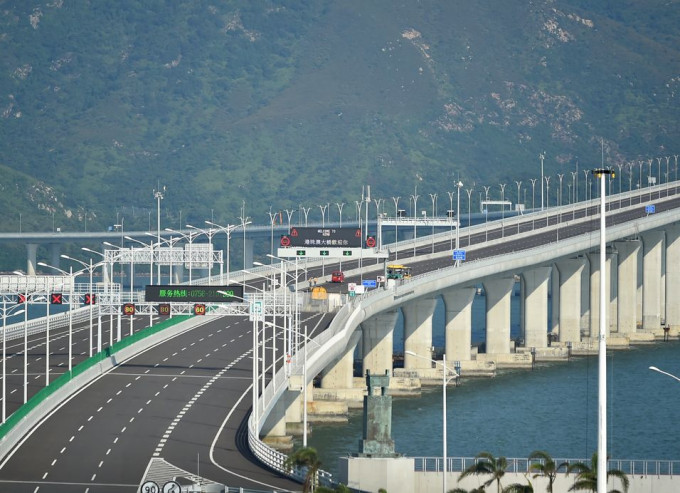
5, 310
654, 368
447, 375
90, 268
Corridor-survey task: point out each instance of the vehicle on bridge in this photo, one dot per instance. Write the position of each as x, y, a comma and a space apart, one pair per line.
338, 276
397, 271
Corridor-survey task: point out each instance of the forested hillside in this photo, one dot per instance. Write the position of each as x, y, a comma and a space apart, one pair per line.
301, 102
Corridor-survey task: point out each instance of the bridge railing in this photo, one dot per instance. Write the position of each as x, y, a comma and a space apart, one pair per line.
543, 218
38, 325
522, 465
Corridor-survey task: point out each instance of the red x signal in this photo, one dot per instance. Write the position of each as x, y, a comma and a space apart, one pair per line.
56, 299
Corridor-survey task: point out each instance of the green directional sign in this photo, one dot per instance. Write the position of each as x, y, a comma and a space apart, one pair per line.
323, 253
300, 253
347, 253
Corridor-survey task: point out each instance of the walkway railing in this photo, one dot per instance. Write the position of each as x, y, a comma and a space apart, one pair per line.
522, 465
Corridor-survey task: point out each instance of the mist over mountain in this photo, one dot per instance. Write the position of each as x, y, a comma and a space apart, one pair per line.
302, 102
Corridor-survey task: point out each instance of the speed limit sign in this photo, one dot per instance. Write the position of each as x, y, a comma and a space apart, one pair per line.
150, 487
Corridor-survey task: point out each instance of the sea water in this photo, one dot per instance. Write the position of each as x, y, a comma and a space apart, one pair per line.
551, 408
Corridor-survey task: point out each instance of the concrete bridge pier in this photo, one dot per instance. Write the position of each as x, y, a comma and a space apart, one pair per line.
652, 261
628, 252
177, 274
534, 306
283, 421
55, 252
377, 343
340, 373
418, 333
248, 253
673, 276
498, 295
31, 251
458, 314
567, 316
595, 279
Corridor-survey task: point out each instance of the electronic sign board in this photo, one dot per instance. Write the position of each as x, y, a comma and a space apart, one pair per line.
322, 237
202, 294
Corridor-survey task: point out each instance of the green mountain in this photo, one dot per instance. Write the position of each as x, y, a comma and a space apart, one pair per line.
302, 102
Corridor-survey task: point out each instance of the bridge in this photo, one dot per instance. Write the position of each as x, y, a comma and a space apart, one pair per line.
552, 251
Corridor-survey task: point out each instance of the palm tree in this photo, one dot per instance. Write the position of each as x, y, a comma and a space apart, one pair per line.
519, 488
486, 463
305, 457
586, 479
546, 467
462, 490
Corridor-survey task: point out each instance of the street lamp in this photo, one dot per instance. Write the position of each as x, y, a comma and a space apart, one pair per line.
228, 229
25, 293
150, 247
72, 275
559, 193
158, 195
541, 156
90, 269
502, 185
602, 174
340, 206
433, 196
414, 197
654, 368
533, 193
190, 238
445, 380
459, 185
209, 233
322, 208
469, 194
5, 310
519, 191
396, 231
244, 220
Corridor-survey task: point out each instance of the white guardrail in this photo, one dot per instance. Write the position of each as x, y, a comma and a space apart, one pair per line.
38, 325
